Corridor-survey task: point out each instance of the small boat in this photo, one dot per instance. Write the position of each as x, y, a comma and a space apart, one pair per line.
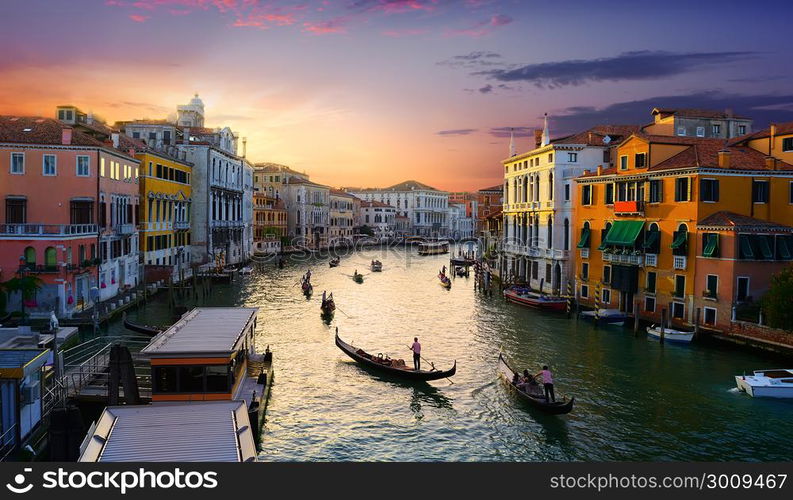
246, 270
526, 297
376, 266
535, 398
358, 278
670, 334
307, 288
461, 272
143, 329
776, 383
462, 261
433, 247
334, 262
445, 281
394, 367
328, 305
606, 317
280, 263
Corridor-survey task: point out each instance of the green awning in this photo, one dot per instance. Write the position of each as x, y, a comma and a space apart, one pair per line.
765, 248
584, 241
680, 239
783, 246
711, 245
652, 239
746, 246
624, 233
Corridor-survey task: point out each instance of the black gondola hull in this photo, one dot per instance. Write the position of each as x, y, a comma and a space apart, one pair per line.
556, 408
145, 330
421, 375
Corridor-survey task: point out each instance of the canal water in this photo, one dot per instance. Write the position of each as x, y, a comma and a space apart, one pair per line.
636, 400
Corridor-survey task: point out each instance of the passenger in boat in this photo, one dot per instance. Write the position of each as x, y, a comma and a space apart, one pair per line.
526, 382
547, 382
416, 348
515, 379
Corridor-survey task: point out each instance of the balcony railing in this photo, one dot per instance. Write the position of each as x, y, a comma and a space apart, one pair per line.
651, 259
181, 224
679, 262
39, 269
47, 230
584, 253
126, 228
629, 207
636, 260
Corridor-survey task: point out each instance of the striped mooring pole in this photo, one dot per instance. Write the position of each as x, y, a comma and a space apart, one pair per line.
597, 304
569, 298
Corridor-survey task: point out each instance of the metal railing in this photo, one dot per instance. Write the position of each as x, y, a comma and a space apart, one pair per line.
48, 230
8, 442
679, 262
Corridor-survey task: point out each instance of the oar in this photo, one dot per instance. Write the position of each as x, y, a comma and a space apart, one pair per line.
344, 313
431, 364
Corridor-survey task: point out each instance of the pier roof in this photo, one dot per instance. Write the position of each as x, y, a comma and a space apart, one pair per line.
203, 331
180, 432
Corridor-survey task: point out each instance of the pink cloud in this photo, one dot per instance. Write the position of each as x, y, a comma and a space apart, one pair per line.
138, 18
482, 28
406, 32
335, 25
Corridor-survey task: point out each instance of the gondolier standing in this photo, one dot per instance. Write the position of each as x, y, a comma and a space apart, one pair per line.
416, 348
547, 382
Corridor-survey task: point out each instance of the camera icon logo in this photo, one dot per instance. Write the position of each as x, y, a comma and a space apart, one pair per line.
19, 481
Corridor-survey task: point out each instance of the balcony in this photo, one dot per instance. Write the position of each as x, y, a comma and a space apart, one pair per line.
584, 253
39, 269
629, 208
679, 262
651, 259
614, 258
126, 229
181, 224
47, 230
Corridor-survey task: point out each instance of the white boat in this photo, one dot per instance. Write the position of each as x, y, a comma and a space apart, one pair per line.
433, 247
670, 334
606, 317
776, 383
246, 270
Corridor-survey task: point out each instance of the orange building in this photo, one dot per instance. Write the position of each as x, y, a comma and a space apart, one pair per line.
677, 224
269, 223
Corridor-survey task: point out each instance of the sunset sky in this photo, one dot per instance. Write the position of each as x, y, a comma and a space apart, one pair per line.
373, 92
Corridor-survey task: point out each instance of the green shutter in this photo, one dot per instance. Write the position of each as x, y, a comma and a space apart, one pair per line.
680, 239
711, 245
624, 233
746, 246
783, 247
651, 240
584, 241
765, 248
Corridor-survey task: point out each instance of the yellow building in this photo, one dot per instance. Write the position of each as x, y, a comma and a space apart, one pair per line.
166, 198
678, 221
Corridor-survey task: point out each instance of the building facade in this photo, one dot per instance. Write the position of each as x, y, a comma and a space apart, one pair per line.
308, 207
489, 200
269, 224
341, 218
685, 122
380, 218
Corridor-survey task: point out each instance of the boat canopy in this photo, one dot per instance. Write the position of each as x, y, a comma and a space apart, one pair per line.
584, 241
624, 233
711, 245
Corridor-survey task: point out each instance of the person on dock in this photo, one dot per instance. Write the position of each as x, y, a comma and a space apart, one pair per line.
547, 383
416, 348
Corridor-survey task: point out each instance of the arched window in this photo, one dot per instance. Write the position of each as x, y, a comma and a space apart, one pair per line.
50, 257
525, 188
30, 256
567, 234
550, 231
550, 185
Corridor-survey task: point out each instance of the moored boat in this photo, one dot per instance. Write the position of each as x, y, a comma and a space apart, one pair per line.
606, 316
526, 297
143, 329
433, 247
670, 334
460, 271
535, 397
246, 270
775, 383
396, 367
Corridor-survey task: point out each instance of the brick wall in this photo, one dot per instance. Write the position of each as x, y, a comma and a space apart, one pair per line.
761, 333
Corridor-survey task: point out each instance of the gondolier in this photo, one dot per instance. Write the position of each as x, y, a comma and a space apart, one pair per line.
547, 383
416, 348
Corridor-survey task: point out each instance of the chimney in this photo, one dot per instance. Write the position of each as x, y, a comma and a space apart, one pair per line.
66, 136
586, 172
537, 137
600, 170
244, 146
132, 152
186, 138
114, 138
770, 163
724, 158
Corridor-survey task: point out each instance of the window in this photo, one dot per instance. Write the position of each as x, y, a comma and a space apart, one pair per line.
700, 131
606, 274
606, 156
82, 166
584, 271
681, 130
16, 210
656, 191
572, 157
649, 304
742, 292
709, 190
711, 285
550, 158
567, 191
623, 163
787, 144
609, 194
651, 278
586, 195
102, 167
606, 296
682, 192
680, 286
166, 136
17, 163
48, 165
716, 130
584, 291
678, 310
710, 244
640, 160
759, 191
741, 129
710, 316
82, 212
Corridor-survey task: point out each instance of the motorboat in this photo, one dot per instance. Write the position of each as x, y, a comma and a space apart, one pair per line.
606, 316
775, 383
526, 297
670, 334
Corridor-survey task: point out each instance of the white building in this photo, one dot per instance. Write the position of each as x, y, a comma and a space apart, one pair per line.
425, 206
539, 189
247, 210
461, 226
380, 218
308, 216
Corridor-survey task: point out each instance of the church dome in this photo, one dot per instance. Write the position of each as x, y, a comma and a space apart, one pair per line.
196, 101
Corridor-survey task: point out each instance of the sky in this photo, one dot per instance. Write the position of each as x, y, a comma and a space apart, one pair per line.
373, 92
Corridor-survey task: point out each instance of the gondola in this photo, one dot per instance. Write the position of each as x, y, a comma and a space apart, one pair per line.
334, 262
376, 266
358, 278
385, 365
144, 329
445, 281
328, 305
537, 400
307, 288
